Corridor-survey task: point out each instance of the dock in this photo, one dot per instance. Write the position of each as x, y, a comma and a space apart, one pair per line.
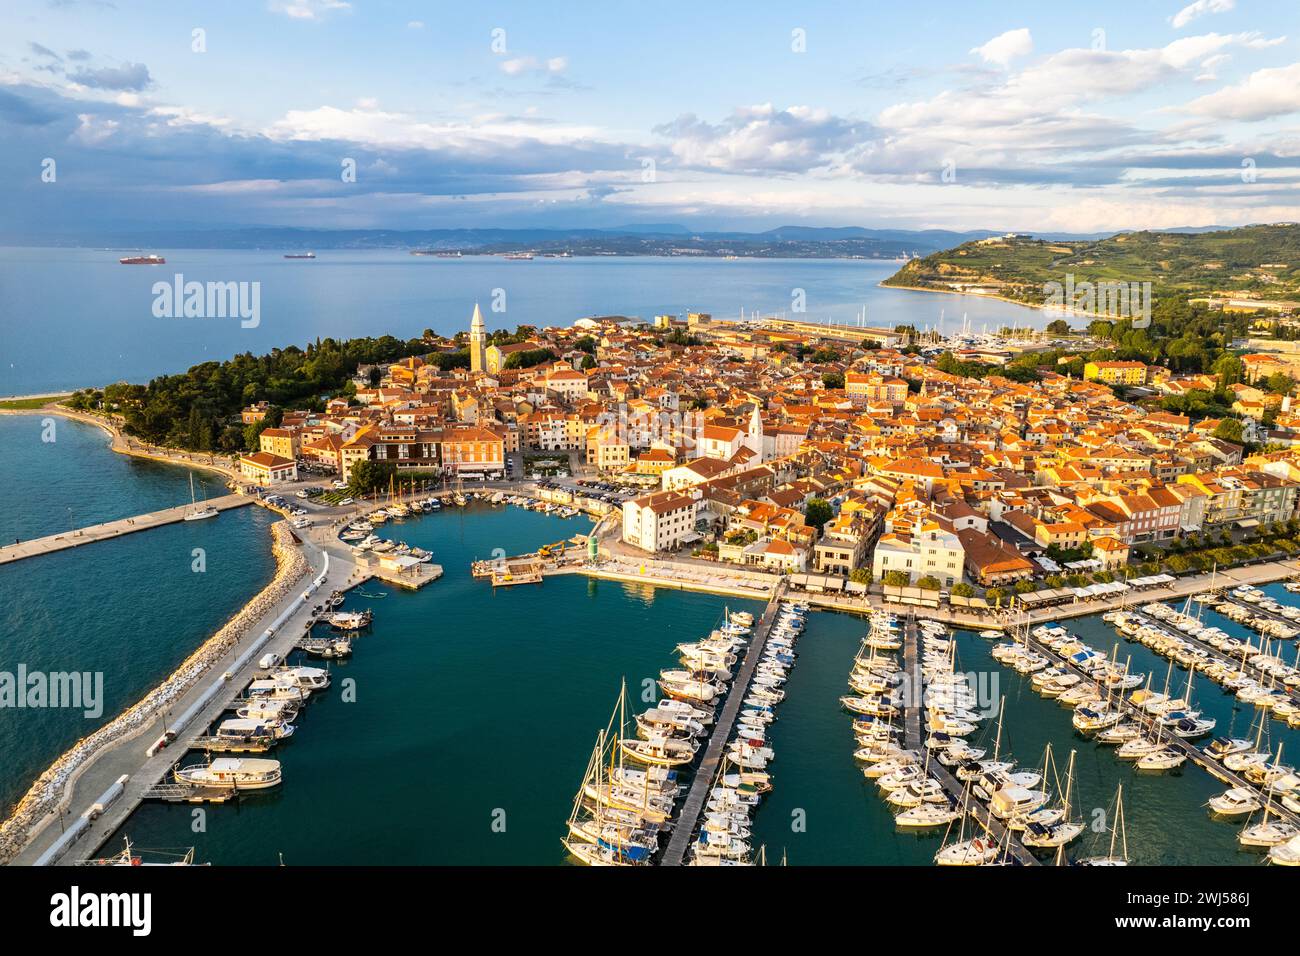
956, 790
1193, 754
915, 689
187, 793
112, 529
707, 772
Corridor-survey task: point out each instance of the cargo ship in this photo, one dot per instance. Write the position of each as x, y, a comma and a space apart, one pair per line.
142, 260
300, 255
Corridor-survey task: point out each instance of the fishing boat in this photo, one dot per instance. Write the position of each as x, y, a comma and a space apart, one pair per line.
232, 773
349, 620
253, 730
308, 678
261, 708
659, 750
132, 856
196, 513
279, 690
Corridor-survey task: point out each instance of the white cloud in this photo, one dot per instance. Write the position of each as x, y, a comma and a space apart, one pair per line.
415, 25
1005, 47
1199, 9
307, 9
1263, 94
516, 66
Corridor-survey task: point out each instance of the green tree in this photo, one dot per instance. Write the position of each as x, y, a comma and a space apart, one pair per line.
1229, 430
897, 579
368, 476
929, 583
962, 589
818, 513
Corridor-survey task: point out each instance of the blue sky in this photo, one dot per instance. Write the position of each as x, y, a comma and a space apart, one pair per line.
1035, 117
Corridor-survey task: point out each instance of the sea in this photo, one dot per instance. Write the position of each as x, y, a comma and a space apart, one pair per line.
76, 317
469, 713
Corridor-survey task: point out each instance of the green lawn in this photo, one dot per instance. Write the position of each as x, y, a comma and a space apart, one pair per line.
27, 404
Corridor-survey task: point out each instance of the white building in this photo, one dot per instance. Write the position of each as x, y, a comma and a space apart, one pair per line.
928, 549
661, 521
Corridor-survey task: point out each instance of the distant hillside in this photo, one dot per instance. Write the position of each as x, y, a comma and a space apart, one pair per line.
654, 239
1256, 262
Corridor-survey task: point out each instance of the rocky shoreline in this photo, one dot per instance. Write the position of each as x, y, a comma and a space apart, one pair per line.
51, 790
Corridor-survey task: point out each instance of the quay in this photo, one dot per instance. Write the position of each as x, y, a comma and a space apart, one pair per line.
106, 790
707, 772
1193, 754
112, 529
956, 790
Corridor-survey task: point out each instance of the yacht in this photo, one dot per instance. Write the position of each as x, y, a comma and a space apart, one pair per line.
196, 513
232, 773
308, 678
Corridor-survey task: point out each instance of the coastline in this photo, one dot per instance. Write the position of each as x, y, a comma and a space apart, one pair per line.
123, 445
52, 791
980, 295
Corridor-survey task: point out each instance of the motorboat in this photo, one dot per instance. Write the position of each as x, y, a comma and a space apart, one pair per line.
232, 773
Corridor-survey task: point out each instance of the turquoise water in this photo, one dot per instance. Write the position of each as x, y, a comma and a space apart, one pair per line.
75, 480
475, 713
348, 293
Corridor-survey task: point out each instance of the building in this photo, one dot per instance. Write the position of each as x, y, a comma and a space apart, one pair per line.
926, 549
843, 546
263, 468
1116, 373
477, 342
472, 451
661, 521
282, 442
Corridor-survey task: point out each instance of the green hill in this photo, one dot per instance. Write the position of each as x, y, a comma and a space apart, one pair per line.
1253, 262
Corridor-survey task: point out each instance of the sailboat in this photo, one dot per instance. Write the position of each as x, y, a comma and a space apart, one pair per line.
1061, 832
1117, 830
196, 513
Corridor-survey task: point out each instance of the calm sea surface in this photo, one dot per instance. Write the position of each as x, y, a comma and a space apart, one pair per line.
131, 608
72, 317
476, 711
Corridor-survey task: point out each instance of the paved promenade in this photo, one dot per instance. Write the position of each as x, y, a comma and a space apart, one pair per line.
128, 755
113, 529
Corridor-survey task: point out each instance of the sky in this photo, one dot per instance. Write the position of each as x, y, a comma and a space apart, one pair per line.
377, 114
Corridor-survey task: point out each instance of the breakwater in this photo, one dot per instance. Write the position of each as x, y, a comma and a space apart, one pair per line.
51, 790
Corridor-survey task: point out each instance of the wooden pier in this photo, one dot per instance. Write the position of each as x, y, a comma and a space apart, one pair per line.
113, 529
707, 772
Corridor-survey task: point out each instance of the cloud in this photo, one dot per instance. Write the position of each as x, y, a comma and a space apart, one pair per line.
1262, 95
415, 25
307, 9
128, 76
519, 65
1005, 47
753, 138
1199, 9
43, 51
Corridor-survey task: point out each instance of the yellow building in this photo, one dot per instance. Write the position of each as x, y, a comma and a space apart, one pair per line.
281, 442
1116, 373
